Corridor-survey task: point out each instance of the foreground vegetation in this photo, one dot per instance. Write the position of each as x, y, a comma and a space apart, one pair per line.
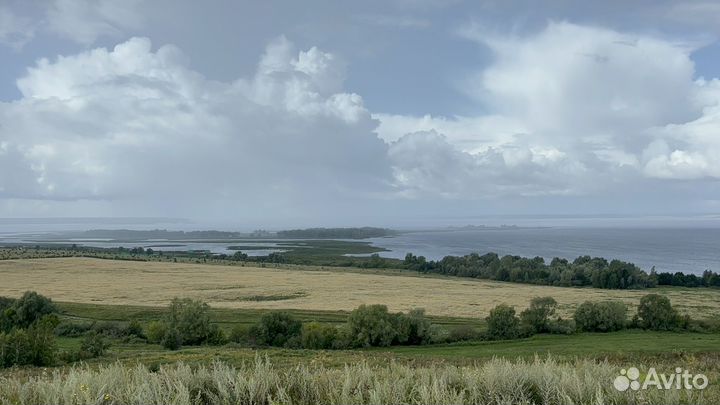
115, 354
540, 381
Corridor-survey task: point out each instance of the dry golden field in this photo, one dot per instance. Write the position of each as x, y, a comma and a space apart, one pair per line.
86, 280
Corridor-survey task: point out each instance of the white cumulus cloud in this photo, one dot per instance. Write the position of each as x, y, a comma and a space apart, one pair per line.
133, 123
579, 109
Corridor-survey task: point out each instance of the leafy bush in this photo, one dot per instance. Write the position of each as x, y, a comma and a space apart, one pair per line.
34, 345
343, 339
73, 329
276, 328
156, 330
294, 342
317, 335
656, 313
14, 348
217, 337
172, 339
372, 325
604, 316
134, 328
502, 323
25, 311
6, 313
561, 326
703, 325
190, 318
5, 303
537, 316
94, 344
240, 334
110, 329
107, 329
438, 334
413, 328
462, 333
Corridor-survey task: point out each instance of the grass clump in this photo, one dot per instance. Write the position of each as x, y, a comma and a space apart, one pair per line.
497, 381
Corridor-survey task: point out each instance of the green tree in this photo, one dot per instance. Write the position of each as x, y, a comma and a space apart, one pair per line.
502, 323
276, 328
317, 335
29, 309
94, 344
6, 313
604, 316
413, 328
191, 319
34, 345
656, 312
14, 348
134, 328
172, 339
537, 315
372, 325
156, 331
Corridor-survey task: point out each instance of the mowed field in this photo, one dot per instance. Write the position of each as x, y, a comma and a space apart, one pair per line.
115, 282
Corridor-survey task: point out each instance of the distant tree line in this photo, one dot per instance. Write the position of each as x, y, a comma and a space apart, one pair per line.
708, 279
131, 234
336, 233
583, 271
589, 271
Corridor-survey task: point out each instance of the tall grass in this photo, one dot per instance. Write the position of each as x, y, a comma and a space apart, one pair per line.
498, 381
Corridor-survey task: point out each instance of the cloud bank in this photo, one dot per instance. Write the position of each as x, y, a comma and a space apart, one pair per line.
133, 123
573, 110
568, 111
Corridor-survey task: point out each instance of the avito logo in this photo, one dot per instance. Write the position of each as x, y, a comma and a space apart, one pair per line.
681, 379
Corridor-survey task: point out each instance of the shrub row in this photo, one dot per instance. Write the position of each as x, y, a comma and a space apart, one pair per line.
655, 312
367, 326
31, 326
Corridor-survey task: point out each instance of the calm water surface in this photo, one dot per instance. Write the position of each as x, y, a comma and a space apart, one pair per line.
671, 249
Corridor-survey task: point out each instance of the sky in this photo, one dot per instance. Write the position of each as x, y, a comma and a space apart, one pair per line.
326, 113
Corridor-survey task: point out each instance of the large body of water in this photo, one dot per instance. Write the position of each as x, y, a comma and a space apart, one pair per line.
668, 249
